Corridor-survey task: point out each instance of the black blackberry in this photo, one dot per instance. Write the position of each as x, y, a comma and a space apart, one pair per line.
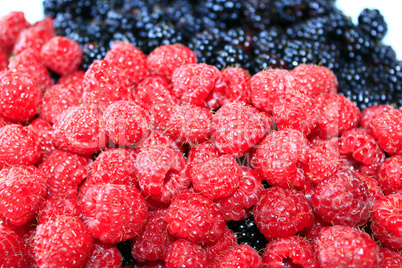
271, 40
299, 52
383, 55
313, 29
338, 23
125, 251
265, 61
232, 55
357, 44
92, 52
387, 79
163, 34
205, 44
131, 38
80, 8
180, 13
227, 11
259, 14
291, 11
372, 22
100, 8
91, 32
65, 23
119, 21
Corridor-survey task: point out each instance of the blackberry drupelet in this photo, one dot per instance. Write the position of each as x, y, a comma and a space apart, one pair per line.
163, 34
372, 22
356, 43
231, 56
92, 52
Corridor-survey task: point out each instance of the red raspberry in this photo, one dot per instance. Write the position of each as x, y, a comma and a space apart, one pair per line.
12, 249
185, 254
343, 246
11, 25
370, 113
201, 153
104, 255
227, 240
390, 174
154, 90
335, 115
386, 222
159, 138
215, 98
236, 205
311, 233
62, 242
314, 80
387, 129
44, 131
193, 82
126, 123
281, 212
113, 213
164, 60
238, 256
268, 121
374, 189
19, 96
195, 217
3, 60
61, 55
153, 243
342, 199
238, 85
64, 172
104, 83
18, 146
47, 23
236, 127
131, 60
30, 248
33, 38
291, 251
278, 156
389, 259
216, 178
295, 111
4, 121
80, 129
54, 207
267, 86
75, 79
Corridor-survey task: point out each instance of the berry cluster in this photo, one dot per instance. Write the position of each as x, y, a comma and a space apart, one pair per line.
163, 161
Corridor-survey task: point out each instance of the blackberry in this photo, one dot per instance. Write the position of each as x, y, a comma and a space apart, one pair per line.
118, 21
125, 251
80, 8
372, 23
163, 34
356, 43
92, 52
100, 8
387, 79
259, 14
328, 55
205, 44
232, 55
300, 52
265, 61
130, 38
291, 11
238, 37
272, 41
65, 24
180, 13
227, 11
338, 23
314, 29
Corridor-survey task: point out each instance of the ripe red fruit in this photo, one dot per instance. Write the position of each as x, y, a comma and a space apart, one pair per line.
201, 153
185, 254
74, 79
370, 113
104, 255
34, 38
44, 131
12, 249
238, 256
54, 207
387, 129
227, 240
3, 60
11, 25
390, 174
389, 258
374, 189
238, 85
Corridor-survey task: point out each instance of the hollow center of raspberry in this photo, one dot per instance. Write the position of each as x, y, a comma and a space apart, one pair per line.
288, 263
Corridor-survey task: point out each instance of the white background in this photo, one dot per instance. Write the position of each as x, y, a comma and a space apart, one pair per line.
391, 9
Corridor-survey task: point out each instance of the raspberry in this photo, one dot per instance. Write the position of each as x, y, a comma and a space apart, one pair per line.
227, 240
80, 129
291, 251
62, 242
12, 249
154, 241
61, 55
268, 121
19, 96
216, 97
46, 23
164, 60
387, 214
238, 86
4, 121
216, 178
238, 256
342, 199
29, 248
193, 82
104, 83
236, 127
54, 207
64, 172
74, 79
131, 60
311, 233
113, 213
58, 99
314, 80
195, 217
343, 246
267, 86
18, 146
374, 189
104, 255
33, 38
3, 60
158, 138
278, 156
185, 254
387, 129
126, 123
21, 191
389, 259
236, 205
201, 153
281, 212
370, 113
11, 25
154, 90
336, 114
44, 131
390, 174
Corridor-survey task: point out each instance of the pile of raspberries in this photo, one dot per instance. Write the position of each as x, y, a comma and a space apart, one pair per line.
164, 151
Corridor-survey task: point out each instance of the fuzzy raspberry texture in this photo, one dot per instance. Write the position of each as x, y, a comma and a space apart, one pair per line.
80, 129
186, 254
343, 246
29, 248
238, 256
201, 153
193, 82
374, 189
104, 255
370, 113
19, 96
342, 199
281, 212
291, 251
113, 213
387, 218
11, 25
154, 241
131, 60
75, 79
54, 207
236, 127
64, 172
195, 217
104, 83
336, 114
389, 258
390, 174
387, 129
3, 60
126, 123
12, 249
278, 157
267, 86
311, 233
238, 85
61, 55
227, 240
314, 80
158, 138
165, 59
34, 38
44, 131
62, 242
18, 146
